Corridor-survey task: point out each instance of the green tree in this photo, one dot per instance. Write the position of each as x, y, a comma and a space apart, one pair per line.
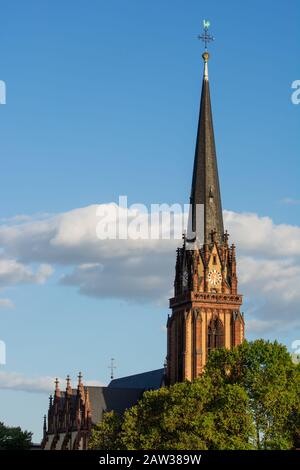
248, 398
272, 383
106, 435
187, 416
14, 438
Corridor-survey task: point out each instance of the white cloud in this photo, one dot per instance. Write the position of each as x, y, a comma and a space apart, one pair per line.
17, 381
6, 303
270, 277
143, 270
133, 279
13, 272
257, 326
290, 201
130, 269
93, 383
271, 291
260, 236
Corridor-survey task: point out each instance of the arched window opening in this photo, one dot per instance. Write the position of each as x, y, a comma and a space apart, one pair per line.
215, 334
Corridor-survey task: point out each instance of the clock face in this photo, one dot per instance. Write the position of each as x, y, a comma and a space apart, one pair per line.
214, 277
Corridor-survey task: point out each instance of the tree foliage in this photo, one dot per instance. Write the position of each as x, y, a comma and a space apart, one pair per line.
188, 416
272, 383
14, 438
248, 398
107, 434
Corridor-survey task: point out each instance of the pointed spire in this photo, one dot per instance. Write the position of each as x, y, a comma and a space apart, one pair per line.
45, 426
68, 387
205, 192
233, 270
87, 408
226, 237
86, 400
57, 390
80, 387
79, 379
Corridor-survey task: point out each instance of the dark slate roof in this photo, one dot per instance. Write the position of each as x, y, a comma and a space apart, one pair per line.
111, 399
151, 380
120, 394
205, 184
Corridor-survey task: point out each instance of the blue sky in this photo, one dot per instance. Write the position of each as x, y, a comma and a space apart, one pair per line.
102, 100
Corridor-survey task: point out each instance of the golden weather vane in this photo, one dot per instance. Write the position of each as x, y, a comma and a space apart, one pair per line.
206, 37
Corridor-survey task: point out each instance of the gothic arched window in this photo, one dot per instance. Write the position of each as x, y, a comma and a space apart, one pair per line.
215, 334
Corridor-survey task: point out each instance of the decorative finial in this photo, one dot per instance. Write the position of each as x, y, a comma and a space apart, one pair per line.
68, 380
79, 378
44, 426
112, 367
57, 391
205, 57
206, 37
226, 236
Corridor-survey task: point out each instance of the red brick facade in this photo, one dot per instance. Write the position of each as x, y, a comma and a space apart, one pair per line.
205, 313
69, 419
206, 303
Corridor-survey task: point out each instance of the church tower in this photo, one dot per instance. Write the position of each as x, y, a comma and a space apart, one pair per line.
206, 303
